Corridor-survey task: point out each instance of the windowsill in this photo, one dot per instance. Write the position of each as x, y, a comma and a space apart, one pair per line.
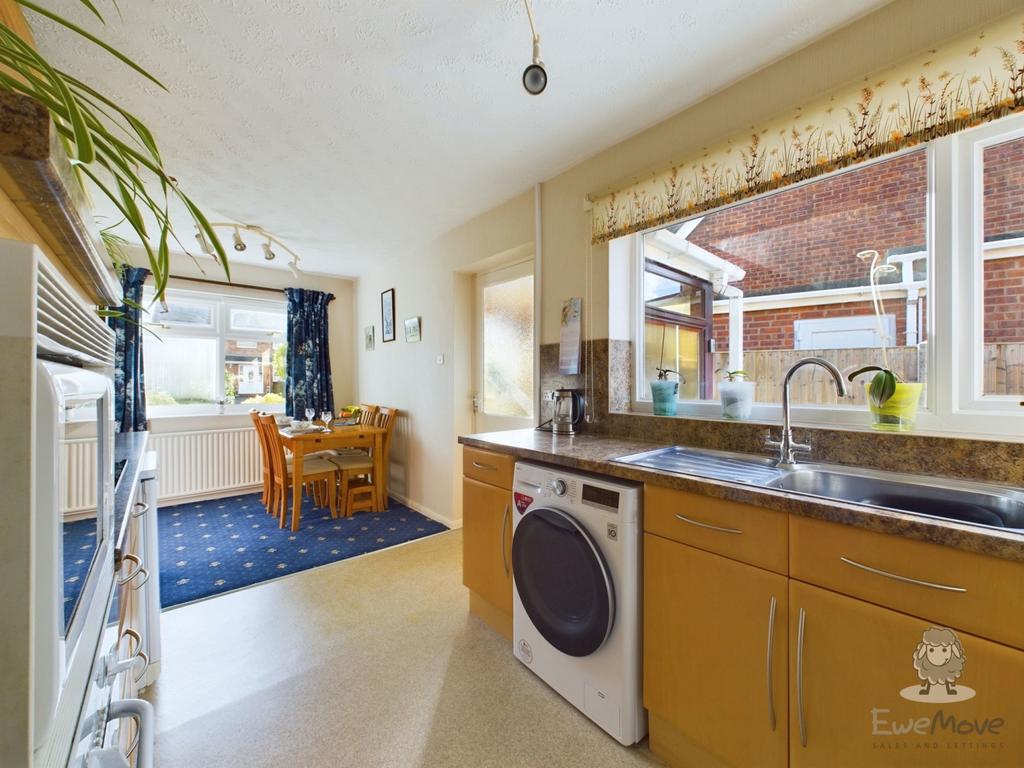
201, 420
848, 419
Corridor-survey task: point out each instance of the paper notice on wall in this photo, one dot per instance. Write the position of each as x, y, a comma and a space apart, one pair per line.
569, 341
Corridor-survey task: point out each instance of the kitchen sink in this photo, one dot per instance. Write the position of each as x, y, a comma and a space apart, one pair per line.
963, 501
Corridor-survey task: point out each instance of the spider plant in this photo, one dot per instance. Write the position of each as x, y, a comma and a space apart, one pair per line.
883, 384
106, 143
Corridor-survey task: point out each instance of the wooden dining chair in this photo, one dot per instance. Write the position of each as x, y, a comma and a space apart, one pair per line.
368, 413
268, 482
314, 470
354, 466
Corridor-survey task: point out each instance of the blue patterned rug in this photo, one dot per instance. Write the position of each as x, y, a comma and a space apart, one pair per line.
211, 547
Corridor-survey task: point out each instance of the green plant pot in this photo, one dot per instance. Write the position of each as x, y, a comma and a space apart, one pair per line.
900, 410
664, 394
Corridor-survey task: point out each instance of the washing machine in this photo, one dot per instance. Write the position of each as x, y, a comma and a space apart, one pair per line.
576, 569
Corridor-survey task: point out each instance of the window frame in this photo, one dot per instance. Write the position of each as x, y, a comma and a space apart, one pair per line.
702, 325
221, 332
953, 405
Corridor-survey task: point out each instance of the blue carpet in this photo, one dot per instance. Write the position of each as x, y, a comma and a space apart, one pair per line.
79, 546
211, 547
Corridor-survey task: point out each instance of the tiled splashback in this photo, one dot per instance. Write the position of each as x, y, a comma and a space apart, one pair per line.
606, 376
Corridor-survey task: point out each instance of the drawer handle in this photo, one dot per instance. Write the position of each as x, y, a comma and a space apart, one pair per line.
138, 569
141, 508
800, 677
709, 526
905, 579
504, 556
771, 647
490, 467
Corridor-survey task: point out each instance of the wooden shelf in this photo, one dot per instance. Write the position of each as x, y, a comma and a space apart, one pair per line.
37, 177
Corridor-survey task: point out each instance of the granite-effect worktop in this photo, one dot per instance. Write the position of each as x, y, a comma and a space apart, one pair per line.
129, 447
593, 453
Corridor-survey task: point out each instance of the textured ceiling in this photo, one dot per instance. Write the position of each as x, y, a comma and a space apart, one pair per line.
356, 129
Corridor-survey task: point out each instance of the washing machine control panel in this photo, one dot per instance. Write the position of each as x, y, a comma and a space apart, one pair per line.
559, 487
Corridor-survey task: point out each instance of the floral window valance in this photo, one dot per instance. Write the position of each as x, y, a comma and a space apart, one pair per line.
977, 78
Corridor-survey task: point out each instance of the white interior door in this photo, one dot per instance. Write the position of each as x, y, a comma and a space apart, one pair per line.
504, 349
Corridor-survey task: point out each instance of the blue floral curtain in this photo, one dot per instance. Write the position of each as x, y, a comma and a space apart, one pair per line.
129, 375
308, 383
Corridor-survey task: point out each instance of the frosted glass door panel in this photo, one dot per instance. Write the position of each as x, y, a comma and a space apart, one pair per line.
508, 348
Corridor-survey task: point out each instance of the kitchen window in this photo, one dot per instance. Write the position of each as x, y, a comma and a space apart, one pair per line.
784, 281
210, 353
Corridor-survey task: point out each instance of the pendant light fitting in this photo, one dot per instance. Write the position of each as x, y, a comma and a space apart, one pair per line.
535, 76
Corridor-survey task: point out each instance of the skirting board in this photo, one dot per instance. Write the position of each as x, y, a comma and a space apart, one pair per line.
426, 511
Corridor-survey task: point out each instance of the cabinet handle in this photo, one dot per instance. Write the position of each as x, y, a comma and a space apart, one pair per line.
905, 579
771, 647
141, 508
504, 522
709, 526
490, 467
800, 677
138, 569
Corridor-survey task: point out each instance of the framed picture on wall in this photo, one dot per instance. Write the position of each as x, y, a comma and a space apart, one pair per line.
387, 315
412, 330
369, 337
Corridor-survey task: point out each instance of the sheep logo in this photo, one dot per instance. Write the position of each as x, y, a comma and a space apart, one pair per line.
939, 661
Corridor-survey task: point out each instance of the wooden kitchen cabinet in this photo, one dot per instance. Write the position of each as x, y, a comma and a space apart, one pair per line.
851, 671
715, 658
487, 551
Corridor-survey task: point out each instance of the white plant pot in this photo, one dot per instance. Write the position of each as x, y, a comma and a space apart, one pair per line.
737, 398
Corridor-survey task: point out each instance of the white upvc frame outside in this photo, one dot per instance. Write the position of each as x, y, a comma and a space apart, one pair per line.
967, 155
953, 404
220, 331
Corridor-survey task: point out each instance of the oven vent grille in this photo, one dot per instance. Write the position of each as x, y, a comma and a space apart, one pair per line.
65, 326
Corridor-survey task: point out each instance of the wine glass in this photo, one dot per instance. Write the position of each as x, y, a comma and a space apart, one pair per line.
310, 414
326, 417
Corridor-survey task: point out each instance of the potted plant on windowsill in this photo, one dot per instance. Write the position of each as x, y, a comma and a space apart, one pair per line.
665, 393
892, 400
737, 395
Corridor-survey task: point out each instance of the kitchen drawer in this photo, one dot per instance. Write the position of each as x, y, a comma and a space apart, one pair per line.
749, 534
488, 467
964, 590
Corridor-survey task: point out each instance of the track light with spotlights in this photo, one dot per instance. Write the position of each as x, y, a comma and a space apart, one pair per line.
293, 265
204, 244
535, 77
270, 242
268, 254
239, 242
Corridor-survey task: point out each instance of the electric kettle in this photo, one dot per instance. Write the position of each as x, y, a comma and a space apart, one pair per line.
568, 410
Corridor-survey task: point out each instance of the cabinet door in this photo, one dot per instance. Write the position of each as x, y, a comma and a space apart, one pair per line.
487, 542
857, 698
715, 652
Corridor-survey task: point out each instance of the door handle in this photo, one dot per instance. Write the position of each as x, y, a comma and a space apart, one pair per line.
800, 677
770, 676
504, 522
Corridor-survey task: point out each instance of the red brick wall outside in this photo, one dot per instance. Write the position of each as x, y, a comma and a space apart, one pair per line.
1004, 300
1004, 188
773, 328
809, 236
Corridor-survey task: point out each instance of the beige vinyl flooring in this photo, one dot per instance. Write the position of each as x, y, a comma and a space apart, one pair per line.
369, 662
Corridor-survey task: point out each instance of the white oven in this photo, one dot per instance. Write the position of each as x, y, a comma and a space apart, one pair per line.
74, 563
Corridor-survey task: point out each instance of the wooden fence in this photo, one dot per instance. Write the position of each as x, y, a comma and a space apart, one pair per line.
1004, 369
813, 385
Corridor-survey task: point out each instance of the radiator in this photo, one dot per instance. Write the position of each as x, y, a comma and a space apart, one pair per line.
80, 485
192, 464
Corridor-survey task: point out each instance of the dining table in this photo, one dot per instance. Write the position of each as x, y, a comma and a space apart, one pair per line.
334, 437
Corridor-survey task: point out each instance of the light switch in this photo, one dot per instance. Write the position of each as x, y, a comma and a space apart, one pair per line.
440, 359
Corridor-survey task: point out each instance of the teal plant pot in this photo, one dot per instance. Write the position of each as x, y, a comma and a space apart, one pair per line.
664, 394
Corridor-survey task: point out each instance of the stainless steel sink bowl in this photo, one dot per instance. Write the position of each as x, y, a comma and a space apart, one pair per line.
974, 503
991, 506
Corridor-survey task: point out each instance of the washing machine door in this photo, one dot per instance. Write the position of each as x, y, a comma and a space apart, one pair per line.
563, 581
